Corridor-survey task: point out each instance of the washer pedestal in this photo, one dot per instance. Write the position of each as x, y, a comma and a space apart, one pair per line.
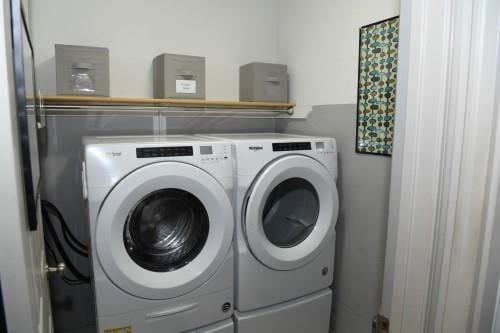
307, 314
225, 326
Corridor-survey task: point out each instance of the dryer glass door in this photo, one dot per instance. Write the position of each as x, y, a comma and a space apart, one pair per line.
291, 212
164, 230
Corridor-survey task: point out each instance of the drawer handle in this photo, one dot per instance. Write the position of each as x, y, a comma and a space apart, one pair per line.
170, 312
187, 74
82, 65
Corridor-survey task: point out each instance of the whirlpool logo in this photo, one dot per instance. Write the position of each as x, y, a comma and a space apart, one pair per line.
113, 154
255, 148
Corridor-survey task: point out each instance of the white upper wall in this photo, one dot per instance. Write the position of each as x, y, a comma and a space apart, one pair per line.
228, 33
318, 39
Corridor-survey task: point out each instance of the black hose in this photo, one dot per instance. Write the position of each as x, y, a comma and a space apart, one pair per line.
79, 275
66, 230
51, 251
72, 282
70, 239
52, 254
73, 247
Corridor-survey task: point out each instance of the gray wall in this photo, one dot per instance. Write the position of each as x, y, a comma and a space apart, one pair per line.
363, 186
362, 225
73, 306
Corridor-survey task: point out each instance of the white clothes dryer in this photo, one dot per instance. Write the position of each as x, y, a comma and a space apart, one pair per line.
161, 227
286, 207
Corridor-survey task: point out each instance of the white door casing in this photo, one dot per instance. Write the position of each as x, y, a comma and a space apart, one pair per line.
111, 251
496, 320
489, 264
441, 163
22, 258
278, 171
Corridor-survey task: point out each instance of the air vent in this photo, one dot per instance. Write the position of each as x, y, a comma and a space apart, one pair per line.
153, 152
290, 146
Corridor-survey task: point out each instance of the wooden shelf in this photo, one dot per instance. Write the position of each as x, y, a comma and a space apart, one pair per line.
155, 102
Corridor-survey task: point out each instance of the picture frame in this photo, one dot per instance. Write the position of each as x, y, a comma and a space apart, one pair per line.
28, 112
376, 95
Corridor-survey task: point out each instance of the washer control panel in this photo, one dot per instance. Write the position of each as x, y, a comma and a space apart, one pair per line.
204, 153
152, 152
210, 154
108, 162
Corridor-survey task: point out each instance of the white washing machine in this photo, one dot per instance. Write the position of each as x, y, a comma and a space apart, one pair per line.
161, 226
286, 206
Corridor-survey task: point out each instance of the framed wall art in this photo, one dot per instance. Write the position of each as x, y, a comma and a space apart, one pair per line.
378, 56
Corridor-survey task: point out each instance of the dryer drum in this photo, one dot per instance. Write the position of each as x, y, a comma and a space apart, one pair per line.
290, 212
166, 230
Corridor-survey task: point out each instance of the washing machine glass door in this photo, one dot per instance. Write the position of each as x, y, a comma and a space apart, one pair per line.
291, 212
164, 230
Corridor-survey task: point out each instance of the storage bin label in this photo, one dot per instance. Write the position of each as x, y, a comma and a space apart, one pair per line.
185, 86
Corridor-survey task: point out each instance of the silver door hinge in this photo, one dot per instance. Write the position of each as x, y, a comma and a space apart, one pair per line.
380, 324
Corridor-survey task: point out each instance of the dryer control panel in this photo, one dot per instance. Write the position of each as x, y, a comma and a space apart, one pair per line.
252, 155
291, 146
325, 147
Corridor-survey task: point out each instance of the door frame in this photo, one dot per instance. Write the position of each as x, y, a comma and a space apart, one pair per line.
445, 169
22, 274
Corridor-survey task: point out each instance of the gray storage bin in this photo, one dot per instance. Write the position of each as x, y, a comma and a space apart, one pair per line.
82, 70
263, 82
179, 76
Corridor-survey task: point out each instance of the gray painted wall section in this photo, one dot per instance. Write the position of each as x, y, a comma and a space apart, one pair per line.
226, 124
362, 225
73, 306
361, 228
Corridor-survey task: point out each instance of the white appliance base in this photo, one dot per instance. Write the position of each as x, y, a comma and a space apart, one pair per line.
226, 326
205, 311
307, 314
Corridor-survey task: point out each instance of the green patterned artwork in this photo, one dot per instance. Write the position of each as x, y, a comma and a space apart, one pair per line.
378, 55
